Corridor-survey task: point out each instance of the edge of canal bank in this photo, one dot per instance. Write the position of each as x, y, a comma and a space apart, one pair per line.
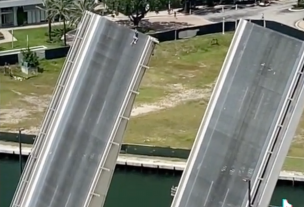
165, 163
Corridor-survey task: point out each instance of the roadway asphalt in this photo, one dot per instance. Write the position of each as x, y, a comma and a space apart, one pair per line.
278, 11
257, 86
96, 92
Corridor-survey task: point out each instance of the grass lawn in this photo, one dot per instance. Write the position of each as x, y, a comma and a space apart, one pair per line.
195, 63
294, 164
36, 36
295, 161
41, 84
177, 68
173, 127
177, 127
23, 102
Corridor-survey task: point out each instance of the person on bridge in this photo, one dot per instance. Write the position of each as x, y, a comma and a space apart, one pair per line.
135, 37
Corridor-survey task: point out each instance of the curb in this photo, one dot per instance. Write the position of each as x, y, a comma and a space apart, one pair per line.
153, 17
295, 10
163, 15
297, 25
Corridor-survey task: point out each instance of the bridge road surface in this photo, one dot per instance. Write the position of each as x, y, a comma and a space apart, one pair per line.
249, 95
88, 127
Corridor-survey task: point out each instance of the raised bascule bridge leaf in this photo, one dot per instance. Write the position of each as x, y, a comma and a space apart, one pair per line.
249, 123
75, 153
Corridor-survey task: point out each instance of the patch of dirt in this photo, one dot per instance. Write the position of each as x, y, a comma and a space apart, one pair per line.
12, 116
32, 130
299, 137
38, 103
33, 104
179, 96
24, 111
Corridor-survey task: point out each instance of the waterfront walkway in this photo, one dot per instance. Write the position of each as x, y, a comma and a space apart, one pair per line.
300, 25
141, 161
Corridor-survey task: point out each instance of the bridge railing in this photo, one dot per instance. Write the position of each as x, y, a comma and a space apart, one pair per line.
278, 137
106, 167
174, 189
57, 95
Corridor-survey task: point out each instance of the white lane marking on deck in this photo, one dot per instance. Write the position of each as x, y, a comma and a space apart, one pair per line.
259, 106
101, 112
88, 105
208, 193
243, 99
66, 204
225, 197
53, 197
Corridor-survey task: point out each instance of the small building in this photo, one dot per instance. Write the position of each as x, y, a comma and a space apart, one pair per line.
21, 12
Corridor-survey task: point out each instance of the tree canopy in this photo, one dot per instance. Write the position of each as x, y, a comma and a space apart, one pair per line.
136, 9
69, 11
78, 9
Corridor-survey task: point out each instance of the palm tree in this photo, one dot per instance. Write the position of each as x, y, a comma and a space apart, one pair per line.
78, 9
45, 8
61, 9
300, 3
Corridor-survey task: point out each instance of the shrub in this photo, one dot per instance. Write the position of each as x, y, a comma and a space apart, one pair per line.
298, 6
30, 58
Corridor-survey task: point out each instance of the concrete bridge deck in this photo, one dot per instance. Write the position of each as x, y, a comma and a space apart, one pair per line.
249, 123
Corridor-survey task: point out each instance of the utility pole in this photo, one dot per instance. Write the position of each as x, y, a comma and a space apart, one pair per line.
20, 149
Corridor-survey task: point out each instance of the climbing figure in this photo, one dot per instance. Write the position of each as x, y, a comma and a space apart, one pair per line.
135, 37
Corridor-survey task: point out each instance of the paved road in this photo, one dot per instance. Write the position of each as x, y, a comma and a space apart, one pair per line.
277, 12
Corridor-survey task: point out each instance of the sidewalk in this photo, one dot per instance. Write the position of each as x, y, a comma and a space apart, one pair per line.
30, 26
120, 17
151, 15
163, 15
142, 161
300, 25
7, 37
123, 159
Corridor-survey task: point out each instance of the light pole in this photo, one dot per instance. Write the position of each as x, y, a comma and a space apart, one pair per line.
247, 180
263, 18
20, 149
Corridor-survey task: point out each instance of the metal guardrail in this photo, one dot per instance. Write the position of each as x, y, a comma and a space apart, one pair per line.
278, 135
174, 189
57, 95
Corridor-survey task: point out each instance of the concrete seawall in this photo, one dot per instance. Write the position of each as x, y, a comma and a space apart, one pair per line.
142, 161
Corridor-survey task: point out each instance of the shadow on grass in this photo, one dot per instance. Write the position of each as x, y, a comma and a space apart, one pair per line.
40, 70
